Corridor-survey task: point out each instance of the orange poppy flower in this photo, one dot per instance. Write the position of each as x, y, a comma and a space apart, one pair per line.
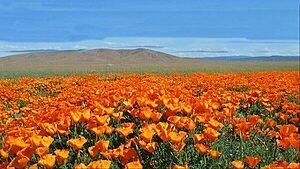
173, 110
277, 165
77, 143
164, 135
200, 119
254, 119
80, 166
47, 161
27, 151
49, 128
129, 142
64, 123
295, 120
34, 166
109, 111
18, 144
102, 120
124, 131
237, 164
3, 154
150, 147
47, 141
294, 140
214, 153
19, 162
100, 130
75, 115
129, 153
215, 124
215, 105
177, 137
102, 145
202, 148
271, 122
185, 166
93, 151
211, 134
174, 119
156, 116
190, 125
286, 130
272, 133
103, 164
282, 116
146, 134
86, 114
61, 155
115, 153
153, 104
293, 165
198, 138
35, 140
134, 165
41, 151
118, 116
145, 114
188, 109
252, 161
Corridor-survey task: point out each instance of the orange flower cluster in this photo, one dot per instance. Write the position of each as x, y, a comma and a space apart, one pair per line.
143, 111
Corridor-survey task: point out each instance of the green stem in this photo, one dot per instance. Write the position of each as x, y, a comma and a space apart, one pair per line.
275, 151
241, 146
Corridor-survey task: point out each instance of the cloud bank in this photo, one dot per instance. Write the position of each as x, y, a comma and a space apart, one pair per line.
183, 47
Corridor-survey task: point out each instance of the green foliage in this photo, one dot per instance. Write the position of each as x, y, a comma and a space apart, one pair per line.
44, 91
239, 89
2, 136
115, 78
161, 108
198, 94
7, 107
233, 147
293, 99
163, 156
115, 164
255, 109
22, 103
17, 115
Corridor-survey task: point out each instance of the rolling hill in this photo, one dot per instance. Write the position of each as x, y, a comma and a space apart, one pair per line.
129, 60
90, 59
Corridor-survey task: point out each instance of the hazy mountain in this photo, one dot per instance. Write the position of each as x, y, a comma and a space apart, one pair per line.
109, 60
89, 59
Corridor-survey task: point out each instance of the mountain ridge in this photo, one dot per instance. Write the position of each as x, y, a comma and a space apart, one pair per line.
90, 58
120, 60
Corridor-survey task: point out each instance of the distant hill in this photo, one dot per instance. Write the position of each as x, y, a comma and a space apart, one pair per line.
130, 60
253, 58
103, 56
89, 59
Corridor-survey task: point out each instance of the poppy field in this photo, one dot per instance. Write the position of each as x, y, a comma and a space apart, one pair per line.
195, 120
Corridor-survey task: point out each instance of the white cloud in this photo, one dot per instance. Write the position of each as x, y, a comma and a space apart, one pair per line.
177, 46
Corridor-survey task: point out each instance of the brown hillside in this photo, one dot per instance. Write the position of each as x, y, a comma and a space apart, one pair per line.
95, 58
136, 60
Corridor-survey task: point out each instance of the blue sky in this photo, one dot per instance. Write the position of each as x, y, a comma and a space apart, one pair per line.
70, 22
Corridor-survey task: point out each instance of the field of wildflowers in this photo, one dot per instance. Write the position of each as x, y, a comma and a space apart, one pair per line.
197, 120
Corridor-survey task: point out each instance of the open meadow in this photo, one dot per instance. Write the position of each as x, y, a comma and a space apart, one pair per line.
145, 84
194, 120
